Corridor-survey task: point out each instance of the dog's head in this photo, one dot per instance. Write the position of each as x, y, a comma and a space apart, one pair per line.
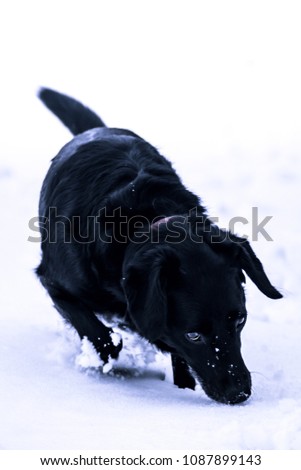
189, 296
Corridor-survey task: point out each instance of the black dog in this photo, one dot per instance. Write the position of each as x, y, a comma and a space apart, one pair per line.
122, 235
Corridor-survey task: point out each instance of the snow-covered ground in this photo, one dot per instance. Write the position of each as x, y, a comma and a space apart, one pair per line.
232, 128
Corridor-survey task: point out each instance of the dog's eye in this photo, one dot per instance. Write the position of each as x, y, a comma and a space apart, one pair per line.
194, 337
237, 318
240, 321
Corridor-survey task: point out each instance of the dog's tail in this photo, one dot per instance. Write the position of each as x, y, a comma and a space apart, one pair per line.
77, 117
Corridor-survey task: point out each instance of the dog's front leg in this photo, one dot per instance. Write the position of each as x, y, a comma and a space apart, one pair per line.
181, 374
106, 343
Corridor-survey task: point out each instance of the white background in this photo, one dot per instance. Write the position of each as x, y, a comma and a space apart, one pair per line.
216, 87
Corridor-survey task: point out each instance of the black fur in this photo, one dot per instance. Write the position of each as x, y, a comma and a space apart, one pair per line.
77, 117
122, 236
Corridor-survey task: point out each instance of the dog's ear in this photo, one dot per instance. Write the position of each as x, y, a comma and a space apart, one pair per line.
249, 262
239, 253
145, 282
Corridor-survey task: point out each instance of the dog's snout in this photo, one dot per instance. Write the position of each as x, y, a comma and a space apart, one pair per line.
229, 386
233, 394
237, 388
239, 398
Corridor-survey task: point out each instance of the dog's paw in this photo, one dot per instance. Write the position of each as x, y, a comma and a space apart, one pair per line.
100, 354
110, 349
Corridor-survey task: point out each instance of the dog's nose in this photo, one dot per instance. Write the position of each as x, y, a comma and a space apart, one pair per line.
238, 389
232, 395
236, 398
230, 389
